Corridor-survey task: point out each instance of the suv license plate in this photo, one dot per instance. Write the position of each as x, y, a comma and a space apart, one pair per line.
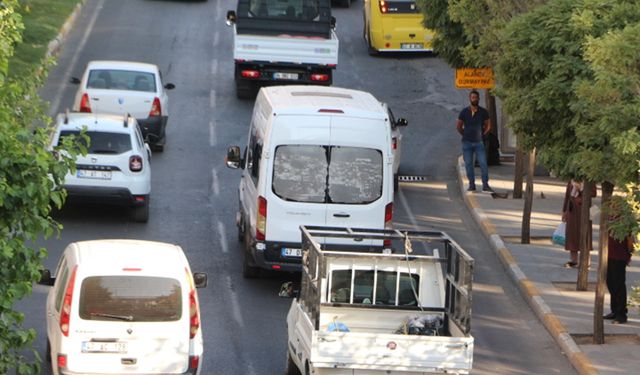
88, 173
287, 252
279, 75
104, 347
411, 46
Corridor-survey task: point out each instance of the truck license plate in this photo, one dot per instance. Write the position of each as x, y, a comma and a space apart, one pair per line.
280, 75
411, 45
104, 347
288, 252
88, 173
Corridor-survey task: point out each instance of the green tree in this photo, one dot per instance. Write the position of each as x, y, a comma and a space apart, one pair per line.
449, 38
29, 175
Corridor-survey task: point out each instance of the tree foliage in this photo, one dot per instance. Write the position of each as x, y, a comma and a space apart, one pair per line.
29, 177
449, 38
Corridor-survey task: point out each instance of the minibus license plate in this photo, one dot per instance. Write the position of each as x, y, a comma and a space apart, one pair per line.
88, 173
411, 46
287, 252
279, 75
104, 347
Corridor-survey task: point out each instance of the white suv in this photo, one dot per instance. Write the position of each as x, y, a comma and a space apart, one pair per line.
123, 307
117, 166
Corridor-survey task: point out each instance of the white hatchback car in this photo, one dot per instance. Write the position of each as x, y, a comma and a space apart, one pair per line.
123, 307
121, 87
117, 167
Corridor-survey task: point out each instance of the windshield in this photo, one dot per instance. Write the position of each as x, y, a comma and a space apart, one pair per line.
131, 298
102, 142
327, 174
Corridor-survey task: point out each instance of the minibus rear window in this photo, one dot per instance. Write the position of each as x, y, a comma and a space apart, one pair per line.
130, 299
327, 174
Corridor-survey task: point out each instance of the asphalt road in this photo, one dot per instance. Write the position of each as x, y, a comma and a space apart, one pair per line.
194, 197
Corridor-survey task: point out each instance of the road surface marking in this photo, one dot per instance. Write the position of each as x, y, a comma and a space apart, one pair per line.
222, 233
215, 183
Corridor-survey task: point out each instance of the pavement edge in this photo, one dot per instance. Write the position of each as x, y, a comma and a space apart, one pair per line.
54, 46
576, 356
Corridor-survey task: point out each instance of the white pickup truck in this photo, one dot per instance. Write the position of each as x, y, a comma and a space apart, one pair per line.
401, 311
282, 42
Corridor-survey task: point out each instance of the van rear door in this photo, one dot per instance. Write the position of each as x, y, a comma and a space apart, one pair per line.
130, 324
358, 173
296, 179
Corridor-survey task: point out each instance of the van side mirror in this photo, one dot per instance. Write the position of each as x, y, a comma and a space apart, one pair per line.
231, 17
200, 279
233, 159
74, 80
332, 22
169, 86
402, 122
287, 291
46, 278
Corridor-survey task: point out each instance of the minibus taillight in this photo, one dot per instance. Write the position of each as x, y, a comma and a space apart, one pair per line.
61, 360
156, 108
65, 313
194, 314
388, 216
85, 106
383, 6
261, 222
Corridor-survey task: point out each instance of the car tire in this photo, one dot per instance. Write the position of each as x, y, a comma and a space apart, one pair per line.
241, 229
48, 352
396, 182
248, 271
372, 51
291, 368
140, 214
245, 89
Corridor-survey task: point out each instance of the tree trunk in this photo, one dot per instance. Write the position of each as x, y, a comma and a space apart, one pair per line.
585, 245
603, 254
525, 236
518, 173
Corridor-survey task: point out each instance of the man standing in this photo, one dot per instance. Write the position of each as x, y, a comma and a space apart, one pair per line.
619, 257
474, 122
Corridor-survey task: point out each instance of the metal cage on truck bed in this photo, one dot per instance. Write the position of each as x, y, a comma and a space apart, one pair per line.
400, 249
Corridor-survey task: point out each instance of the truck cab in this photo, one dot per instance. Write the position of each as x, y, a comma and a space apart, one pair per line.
403, 310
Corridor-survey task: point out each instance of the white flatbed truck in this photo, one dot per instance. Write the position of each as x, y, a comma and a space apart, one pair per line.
403, 312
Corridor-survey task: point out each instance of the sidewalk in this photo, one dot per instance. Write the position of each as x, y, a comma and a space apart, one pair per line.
547, 286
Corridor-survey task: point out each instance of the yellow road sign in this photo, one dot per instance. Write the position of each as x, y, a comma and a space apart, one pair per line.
474, 78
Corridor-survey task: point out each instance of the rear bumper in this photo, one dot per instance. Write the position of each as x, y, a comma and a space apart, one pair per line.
109, 195
153, 128
269, 70
268, 255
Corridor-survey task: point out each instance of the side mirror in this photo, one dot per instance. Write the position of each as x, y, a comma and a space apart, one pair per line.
332, 22
200, 279
231, 17
46, 279
169, 86
402, 122
287, 291
233, 159
74, 80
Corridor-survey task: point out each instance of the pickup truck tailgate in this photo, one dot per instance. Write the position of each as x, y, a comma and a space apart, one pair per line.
286, 49
398, 353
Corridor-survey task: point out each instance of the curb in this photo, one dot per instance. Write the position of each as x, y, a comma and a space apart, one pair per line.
576, 356
54, 46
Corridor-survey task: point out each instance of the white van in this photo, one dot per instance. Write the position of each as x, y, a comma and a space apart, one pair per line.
123, 307
315, 156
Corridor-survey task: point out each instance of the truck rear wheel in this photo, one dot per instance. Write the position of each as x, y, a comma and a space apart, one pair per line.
245, 89
291, 368
345, 3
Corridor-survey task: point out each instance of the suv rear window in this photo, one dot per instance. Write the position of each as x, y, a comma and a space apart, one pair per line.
130, 298
327, 174
103, 142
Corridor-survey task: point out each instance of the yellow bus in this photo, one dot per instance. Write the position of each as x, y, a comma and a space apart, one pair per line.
393, 26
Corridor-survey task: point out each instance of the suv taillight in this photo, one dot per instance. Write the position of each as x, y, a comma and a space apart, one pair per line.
383, 6
194, 314
156, 108
85, 106
135, 163
65, 313
261, 222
